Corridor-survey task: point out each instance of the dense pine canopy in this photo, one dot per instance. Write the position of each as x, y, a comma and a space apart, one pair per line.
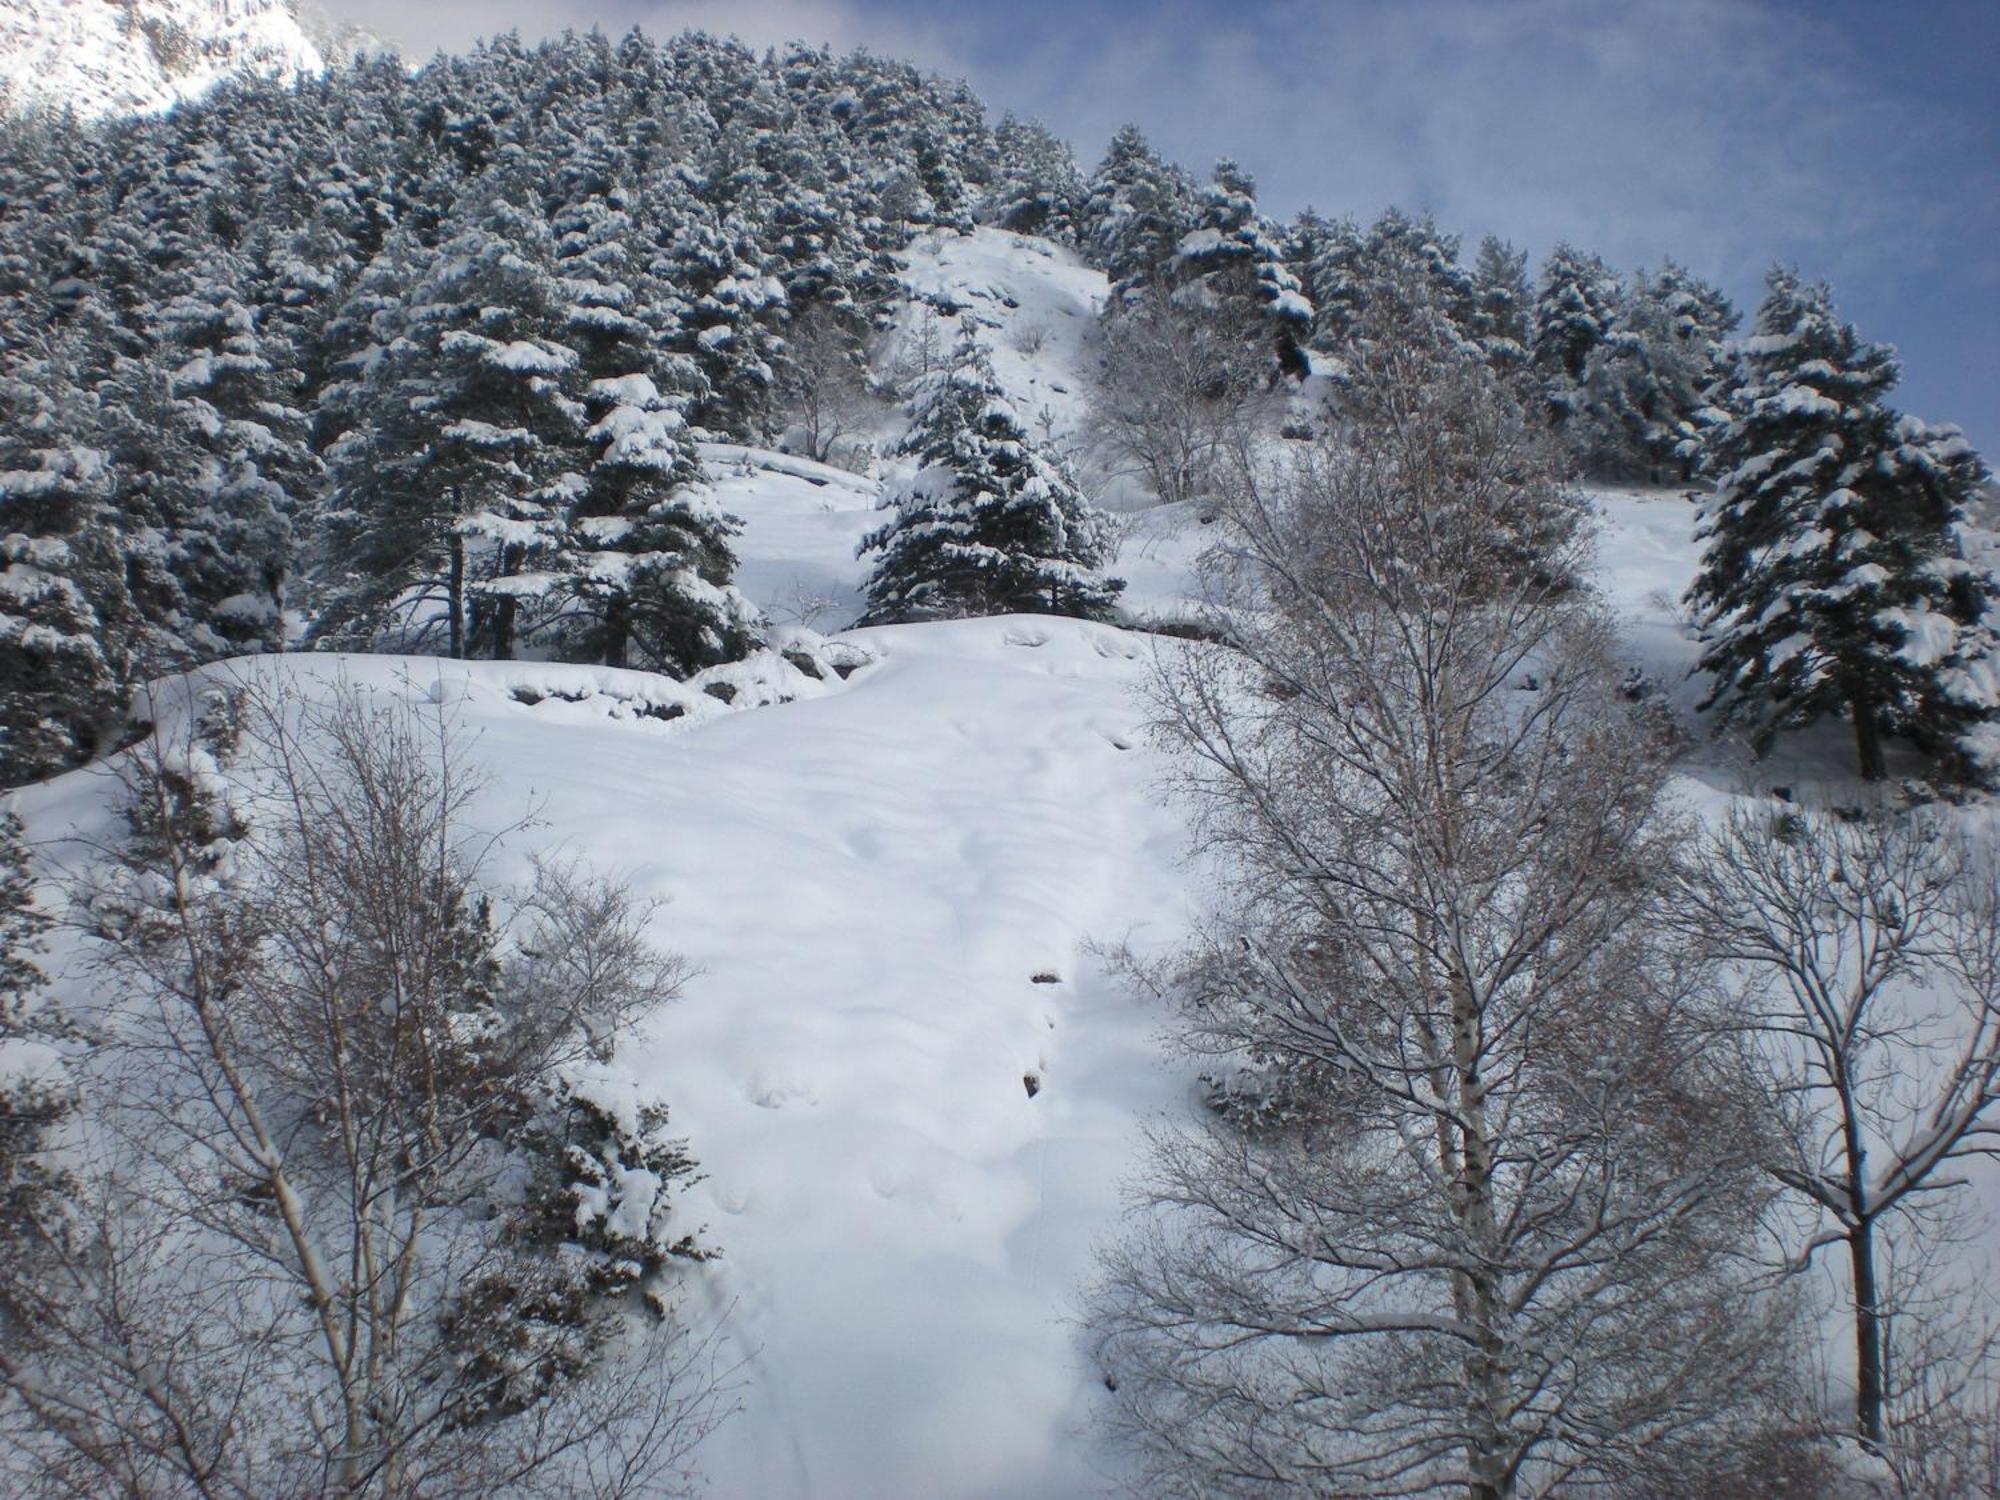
393, 360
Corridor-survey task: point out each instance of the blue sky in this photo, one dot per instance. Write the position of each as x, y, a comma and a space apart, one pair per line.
1856, 139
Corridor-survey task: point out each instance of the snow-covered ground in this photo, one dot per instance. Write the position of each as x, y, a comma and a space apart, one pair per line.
898, 886
101, 57
890, 889
1035, 304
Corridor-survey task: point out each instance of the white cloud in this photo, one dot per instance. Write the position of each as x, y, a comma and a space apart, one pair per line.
1704, 128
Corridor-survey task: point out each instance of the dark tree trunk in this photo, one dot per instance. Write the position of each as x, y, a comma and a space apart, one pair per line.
1868, 735
506, 608
504, 611
456, 597
617, 632
1870, 1387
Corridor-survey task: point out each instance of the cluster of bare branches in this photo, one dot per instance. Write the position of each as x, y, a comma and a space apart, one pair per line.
822, 385
1174, 398
1475, 1209
1529, 1099
303, 1254
1868, 946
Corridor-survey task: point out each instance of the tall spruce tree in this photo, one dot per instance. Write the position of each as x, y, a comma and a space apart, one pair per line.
1500, 304
656, 585
237, 393
1832, 577
1575, 309
650, 585
1138, 208
34, 1097
1329, 253
1232, 261
1038, 188
1644, 396
454, 489
65, 616
206, 539
989, 524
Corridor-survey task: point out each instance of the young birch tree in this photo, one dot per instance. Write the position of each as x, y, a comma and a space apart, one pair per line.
1871, 955
1466, 1216
360, 1226
1174, 392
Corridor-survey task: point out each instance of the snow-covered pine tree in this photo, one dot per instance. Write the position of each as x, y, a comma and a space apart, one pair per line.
33, 1098
1038, 188
1231, 261
1401, 259
239, 392
658, 581
1501, 298
732, 326
988, 524
1138, 208
378, 530
1408, 273
207, 539
64, 611
650, 584
1329, 252
1400, 244
1645, 386
1575, 308
1832, 577
454, 484
22, 926
507, 378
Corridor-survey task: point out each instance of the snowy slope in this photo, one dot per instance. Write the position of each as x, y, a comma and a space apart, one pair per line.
895, 885
871, 878
103, 57
1035, 304
891, 870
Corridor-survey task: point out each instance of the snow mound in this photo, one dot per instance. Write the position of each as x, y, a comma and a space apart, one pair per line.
798, 663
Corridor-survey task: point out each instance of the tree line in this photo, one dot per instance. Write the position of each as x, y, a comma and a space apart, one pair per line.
420, 361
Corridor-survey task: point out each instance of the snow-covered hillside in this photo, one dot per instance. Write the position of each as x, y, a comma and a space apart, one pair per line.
890, 888
909, 1076
101, 57
1035, 304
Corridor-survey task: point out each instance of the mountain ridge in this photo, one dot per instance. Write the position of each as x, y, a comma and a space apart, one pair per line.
112, 57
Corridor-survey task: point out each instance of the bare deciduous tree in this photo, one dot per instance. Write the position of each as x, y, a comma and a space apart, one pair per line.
1471, 1214
1871, 949
1174, 395
822, 382
304, 1261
